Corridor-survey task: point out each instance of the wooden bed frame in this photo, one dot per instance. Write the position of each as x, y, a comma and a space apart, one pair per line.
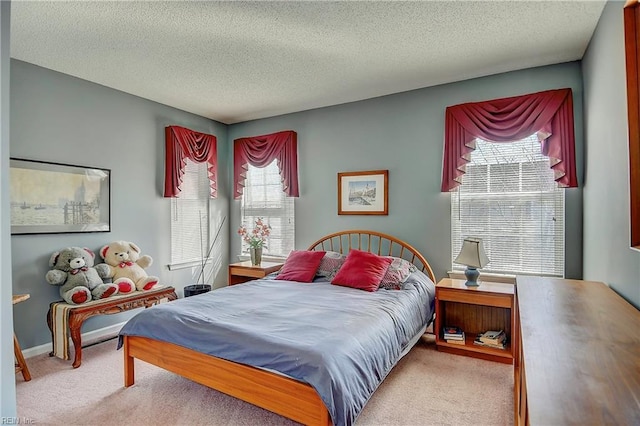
279, 394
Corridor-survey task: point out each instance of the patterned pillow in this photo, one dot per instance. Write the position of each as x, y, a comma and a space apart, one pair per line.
398, 272
330, 263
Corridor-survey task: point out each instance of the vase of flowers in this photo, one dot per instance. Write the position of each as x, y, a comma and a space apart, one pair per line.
256, 239
256, 255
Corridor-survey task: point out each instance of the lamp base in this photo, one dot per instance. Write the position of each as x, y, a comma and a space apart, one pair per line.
472, 275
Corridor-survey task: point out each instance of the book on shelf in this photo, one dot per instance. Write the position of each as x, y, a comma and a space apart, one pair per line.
453, 333
502, 344
454, 336
493, 337
455, 341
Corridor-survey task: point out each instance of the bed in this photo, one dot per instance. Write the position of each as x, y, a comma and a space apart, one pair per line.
315, 377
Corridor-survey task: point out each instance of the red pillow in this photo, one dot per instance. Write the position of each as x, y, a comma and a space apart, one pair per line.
362, 270
301, 265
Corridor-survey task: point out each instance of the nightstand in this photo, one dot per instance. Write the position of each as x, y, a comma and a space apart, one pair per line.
242, 272
489, 306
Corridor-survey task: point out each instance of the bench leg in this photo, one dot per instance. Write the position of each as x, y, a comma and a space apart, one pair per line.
77, 343
50, 325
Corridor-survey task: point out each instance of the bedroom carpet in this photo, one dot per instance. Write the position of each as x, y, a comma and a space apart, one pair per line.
425, 388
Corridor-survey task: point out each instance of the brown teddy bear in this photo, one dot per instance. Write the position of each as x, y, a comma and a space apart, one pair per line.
127, 267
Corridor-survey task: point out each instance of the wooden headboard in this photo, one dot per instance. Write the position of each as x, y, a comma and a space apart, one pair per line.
373, 242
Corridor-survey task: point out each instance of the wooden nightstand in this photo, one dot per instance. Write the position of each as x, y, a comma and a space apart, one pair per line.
242, 272
489, 306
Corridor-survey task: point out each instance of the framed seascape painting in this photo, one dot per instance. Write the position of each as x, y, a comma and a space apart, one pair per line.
363, 192
53, 198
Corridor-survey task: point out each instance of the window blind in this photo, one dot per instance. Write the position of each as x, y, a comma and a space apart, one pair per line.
263, 197
509, 198
189, 216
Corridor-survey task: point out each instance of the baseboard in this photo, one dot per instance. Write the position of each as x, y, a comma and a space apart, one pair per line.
87, 338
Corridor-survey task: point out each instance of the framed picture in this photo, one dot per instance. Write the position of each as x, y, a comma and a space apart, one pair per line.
363, 192
53, 198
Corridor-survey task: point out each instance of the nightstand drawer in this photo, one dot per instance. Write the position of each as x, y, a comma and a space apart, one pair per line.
242, 272
475, 297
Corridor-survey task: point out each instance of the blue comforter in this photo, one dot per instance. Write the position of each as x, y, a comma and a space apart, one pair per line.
340, 340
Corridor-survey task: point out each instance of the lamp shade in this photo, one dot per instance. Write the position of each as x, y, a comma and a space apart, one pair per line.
472, 253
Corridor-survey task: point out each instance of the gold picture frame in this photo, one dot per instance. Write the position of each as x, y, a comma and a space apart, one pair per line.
363, 193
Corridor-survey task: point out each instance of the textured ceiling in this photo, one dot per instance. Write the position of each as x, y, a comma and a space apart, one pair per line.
236, 61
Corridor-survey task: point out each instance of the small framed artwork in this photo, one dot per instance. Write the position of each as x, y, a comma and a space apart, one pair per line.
363, 192
53, 198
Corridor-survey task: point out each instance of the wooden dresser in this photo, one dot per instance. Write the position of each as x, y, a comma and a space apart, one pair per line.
579, 355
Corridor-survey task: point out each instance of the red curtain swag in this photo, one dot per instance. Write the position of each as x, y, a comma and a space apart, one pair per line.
181, 144
260, 151
549, 114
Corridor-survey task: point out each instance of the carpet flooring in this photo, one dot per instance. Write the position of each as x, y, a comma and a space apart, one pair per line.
427, 387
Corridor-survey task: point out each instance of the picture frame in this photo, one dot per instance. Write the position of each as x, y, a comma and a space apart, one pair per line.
363, 193
56, 198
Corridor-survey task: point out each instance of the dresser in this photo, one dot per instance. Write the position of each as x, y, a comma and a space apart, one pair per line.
578, 360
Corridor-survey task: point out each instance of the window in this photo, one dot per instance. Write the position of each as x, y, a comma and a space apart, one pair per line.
263, 197
509, 198
189, 217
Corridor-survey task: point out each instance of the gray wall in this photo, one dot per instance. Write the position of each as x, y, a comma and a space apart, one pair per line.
607, 256
404, 134
59, 118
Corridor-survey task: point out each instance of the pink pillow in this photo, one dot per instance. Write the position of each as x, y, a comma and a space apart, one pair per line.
301, 266
362, 270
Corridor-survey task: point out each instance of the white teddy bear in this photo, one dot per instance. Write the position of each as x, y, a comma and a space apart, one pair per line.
127, 267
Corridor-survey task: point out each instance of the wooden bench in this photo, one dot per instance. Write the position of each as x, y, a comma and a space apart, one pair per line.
65, 319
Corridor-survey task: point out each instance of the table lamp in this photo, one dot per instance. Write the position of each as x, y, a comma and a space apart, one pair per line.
473, 256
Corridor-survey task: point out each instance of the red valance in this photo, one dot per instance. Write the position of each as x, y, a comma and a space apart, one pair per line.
549, 114
260, 151
181, 144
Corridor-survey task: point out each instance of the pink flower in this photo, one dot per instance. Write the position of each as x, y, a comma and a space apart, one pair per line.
258, 236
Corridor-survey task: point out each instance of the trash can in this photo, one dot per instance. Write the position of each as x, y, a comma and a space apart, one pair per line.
192, 290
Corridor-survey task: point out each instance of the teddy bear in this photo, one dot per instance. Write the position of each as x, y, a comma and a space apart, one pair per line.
73, 270
126, 267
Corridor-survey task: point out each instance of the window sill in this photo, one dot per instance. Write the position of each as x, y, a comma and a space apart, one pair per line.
496, 278
244, 257
185, 265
